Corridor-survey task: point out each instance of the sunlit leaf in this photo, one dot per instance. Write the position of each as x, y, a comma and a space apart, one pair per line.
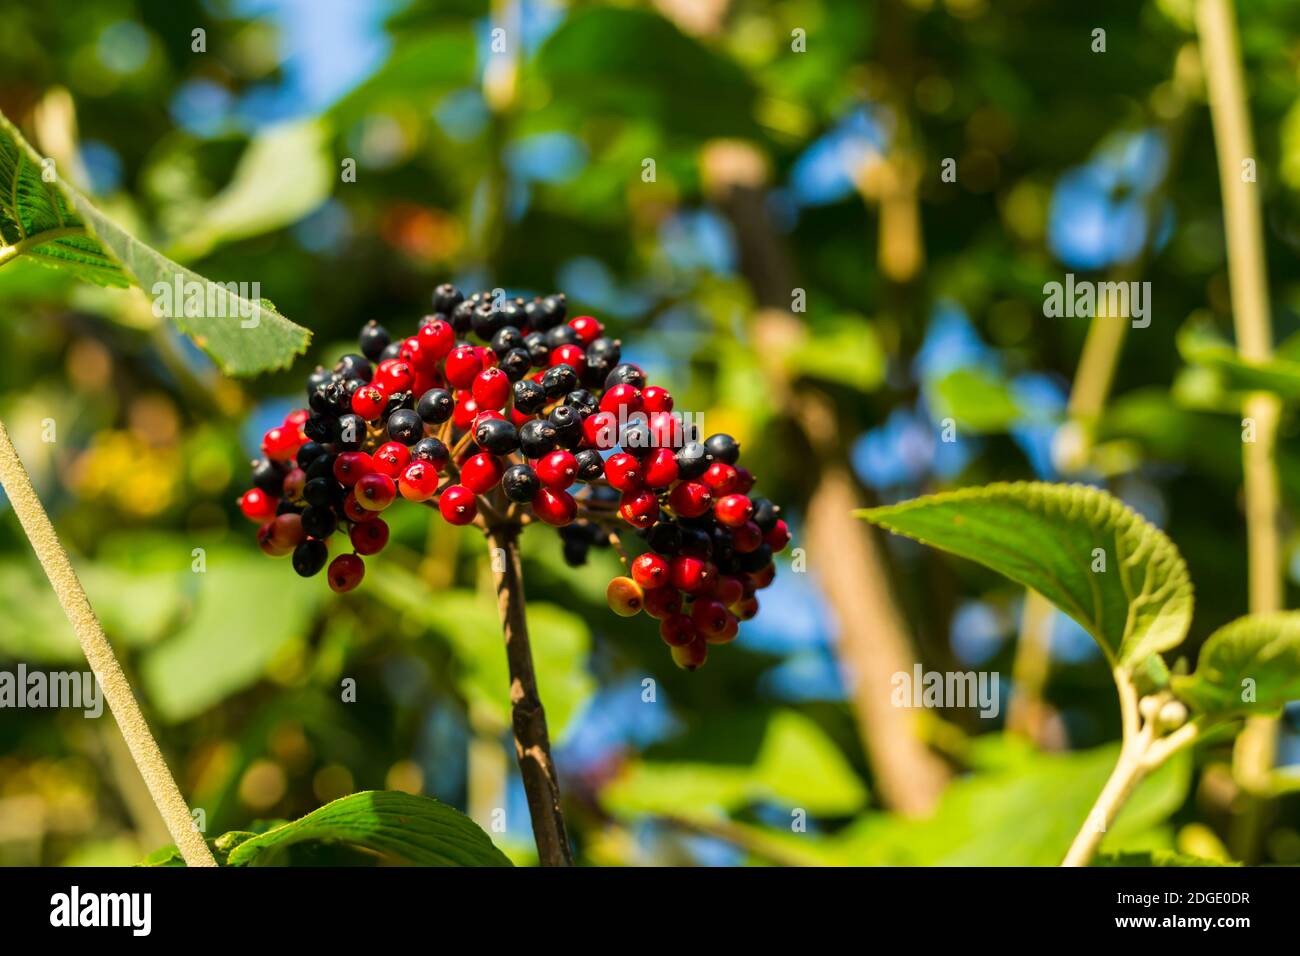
49, 221
1054, 539
397, 827
1250, 665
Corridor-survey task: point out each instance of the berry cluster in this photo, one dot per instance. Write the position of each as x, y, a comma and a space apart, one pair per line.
542, 423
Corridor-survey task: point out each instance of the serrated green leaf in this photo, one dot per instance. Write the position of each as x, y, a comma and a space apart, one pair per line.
51, 222
1250, 665
1045, 536
400, 827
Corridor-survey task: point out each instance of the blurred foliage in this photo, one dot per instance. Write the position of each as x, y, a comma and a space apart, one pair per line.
525, 169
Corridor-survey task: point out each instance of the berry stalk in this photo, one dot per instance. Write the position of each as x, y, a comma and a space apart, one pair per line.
528, 718
103, 662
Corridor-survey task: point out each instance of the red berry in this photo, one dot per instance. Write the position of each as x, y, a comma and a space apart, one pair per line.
661, 468
559, 469
677, 630
640, 509
663, 602
280, 535
491, 388
728, 633
690, 657
281, 442
351, 466
437, 338
353, 510
665, 430
763, 577
733, 510
345, 572
555, 506
481, 473
368, 401
623, 471
744, 480
369, 537
464, 413
656, 399
391, 458
297, 418
721, 478
729, 590
776, 539
691, 574
588, 328
419, 481
746, 538
257, 505
463, 363
690, 499
394, 375
572, 355
483, 416
519, 419
294, 483
458, 505
650, 570
416, 355
710, 616
600, 430
625, 397
624, 596
375, 491
746, 608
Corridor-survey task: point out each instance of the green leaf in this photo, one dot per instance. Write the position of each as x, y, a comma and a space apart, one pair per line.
225, 645
976, 400
1046, 537
1200, 345
796, 766
52, 223
398, 827
1250, 665
283, 175
996, 817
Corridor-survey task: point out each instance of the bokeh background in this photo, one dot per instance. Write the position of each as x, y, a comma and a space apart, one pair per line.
797, 150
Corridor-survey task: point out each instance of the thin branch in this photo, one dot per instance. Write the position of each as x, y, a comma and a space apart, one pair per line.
1255, 749
528, 719
1128, 773
99, 653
